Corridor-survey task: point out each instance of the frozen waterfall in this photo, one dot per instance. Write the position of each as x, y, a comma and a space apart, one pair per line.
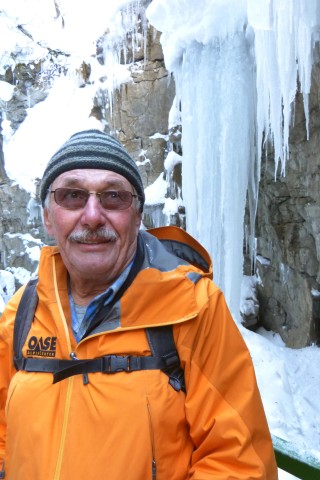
237, 64
218, 150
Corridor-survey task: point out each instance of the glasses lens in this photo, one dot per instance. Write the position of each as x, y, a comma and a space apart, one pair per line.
71, 198
112, 200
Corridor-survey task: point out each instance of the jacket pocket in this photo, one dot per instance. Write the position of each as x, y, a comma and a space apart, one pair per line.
19, 378
12, 386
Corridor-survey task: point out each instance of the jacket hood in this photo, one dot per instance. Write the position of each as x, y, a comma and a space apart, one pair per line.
181, 245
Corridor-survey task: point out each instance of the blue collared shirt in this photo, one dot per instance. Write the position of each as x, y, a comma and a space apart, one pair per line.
80, 325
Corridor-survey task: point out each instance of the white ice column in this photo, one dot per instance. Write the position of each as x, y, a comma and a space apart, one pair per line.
216, 84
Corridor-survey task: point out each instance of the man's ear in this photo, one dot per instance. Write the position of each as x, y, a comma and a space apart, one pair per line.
47, 221
138, 221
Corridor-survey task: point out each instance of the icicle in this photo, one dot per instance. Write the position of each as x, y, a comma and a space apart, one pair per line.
217, 118
116, 44
285, 35
34, 212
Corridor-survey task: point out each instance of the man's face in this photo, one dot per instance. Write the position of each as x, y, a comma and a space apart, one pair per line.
99, 255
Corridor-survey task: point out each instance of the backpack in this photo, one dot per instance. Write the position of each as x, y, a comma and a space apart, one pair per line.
164, 353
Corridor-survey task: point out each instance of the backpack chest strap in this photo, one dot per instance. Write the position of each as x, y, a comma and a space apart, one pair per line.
108, 364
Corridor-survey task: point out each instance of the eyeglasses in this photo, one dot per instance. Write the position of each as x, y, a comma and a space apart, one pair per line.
76, 198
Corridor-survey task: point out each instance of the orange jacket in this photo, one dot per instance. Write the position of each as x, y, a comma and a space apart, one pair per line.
135, 426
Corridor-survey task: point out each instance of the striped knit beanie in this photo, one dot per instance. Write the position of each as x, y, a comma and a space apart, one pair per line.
92, 149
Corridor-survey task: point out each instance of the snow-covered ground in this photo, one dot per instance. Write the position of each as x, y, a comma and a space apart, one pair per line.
289, 380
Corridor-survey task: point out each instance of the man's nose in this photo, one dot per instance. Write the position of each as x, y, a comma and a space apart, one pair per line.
93, 212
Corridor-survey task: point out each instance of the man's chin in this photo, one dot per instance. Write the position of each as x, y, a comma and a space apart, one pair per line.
93, 265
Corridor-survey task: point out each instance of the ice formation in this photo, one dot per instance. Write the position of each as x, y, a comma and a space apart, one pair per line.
237, 64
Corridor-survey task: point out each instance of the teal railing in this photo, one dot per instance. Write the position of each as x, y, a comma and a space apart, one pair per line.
302, 465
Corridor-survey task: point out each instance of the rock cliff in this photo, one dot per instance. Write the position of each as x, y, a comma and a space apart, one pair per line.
288, 232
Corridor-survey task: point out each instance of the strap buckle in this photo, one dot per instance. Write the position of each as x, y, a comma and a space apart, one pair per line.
116, 363
171, 360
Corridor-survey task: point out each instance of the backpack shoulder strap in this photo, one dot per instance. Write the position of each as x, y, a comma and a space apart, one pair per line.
162, 345
24, 316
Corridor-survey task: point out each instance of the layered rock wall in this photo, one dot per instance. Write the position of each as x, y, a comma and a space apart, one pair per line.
288, 231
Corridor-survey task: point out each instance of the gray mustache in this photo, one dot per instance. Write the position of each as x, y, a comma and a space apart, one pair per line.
87, 235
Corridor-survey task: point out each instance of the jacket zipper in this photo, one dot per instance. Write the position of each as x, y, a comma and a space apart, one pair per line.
64, 429
153, 463
69, 386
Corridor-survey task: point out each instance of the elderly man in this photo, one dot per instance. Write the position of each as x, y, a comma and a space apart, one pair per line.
98, 390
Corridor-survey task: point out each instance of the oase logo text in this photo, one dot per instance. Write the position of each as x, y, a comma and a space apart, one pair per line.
42, 347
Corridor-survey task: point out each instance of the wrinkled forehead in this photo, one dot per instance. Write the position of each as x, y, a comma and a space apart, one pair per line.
95, 179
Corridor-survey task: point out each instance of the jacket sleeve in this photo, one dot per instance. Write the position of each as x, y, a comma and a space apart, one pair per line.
7, 370
223, 405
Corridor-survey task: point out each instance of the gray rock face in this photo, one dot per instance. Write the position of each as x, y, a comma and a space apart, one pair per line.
140, 111
21, 232
288, 233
